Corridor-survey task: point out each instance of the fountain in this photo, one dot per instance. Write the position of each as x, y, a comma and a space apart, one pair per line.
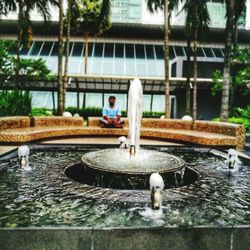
83, 191
23, 156
232, 160
135, 109
131, 169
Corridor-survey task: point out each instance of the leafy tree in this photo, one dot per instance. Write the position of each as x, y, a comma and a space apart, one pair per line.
197, 21
68, 28
242, 78
24, 23
29, 69
61, 90
17, 101
91, 16
7, 6
241, 62
234, 9
167, 6
6, 60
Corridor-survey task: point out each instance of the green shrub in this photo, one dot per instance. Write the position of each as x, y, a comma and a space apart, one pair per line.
92, 111
14, 103
147, 114
242, 112
240, 116
41, 112
245, 122
85, 112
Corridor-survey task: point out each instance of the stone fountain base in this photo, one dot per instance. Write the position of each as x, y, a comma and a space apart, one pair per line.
113, 168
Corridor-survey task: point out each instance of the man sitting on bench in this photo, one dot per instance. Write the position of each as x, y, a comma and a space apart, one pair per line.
111, 115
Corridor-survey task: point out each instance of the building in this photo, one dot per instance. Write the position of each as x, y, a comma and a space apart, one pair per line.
133, 47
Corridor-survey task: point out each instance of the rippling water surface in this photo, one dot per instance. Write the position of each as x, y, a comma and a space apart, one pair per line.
47, 197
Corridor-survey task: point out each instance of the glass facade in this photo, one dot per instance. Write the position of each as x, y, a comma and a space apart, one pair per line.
155, 103
116, 59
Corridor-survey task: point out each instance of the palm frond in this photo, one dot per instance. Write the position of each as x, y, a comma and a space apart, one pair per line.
7, 6
155, 5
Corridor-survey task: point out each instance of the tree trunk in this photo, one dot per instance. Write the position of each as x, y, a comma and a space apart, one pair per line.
188, 97
19, 28
233, 69
227, 61
18, 44
66, 65
195, 76
166, 60
86, 53
60, 61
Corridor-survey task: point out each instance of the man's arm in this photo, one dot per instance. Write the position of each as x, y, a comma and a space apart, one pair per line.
118, 116
105, 115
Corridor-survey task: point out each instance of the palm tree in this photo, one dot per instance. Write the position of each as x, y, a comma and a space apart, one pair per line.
167, 6
240, 7
7, 6
68, 27
24, 35
61, 100
230, 14
86, 15
92, 17
197, 21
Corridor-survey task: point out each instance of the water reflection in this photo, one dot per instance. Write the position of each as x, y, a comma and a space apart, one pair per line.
47, 197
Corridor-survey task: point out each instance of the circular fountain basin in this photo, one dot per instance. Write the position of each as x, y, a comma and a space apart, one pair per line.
144, 162
114, 168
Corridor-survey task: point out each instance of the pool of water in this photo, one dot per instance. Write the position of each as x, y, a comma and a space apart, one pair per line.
47, 197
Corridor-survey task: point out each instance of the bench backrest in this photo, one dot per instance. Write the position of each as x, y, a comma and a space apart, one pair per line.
12, 122
53, 121
217, 127
166, 123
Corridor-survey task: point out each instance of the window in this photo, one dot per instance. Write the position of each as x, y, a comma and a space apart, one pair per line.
150, 52
200, 52
129, 49
191, 51
55, 50
218, 53
77, 50
140, 53
46, 48
179, 51
208, 52
109, 50
159, 52
98, 50
171, 53
119, 50
36, 48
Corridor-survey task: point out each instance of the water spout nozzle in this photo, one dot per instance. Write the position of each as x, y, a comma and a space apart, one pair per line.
156, 199
132, 150
22, 161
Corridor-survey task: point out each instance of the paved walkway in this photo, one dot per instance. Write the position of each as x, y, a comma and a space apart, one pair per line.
102, 140
91, 140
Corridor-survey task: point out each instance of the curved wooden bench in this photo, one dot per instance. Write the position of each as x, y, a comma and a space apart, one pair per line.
40, 127
14, 122
198, 132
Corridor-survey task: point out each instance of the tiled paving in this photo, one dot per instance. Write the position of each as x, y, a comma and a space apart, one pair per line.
90, 140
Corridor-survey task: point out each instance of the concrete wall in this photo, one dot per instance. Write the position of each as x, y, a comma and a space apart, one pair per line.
121, 239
